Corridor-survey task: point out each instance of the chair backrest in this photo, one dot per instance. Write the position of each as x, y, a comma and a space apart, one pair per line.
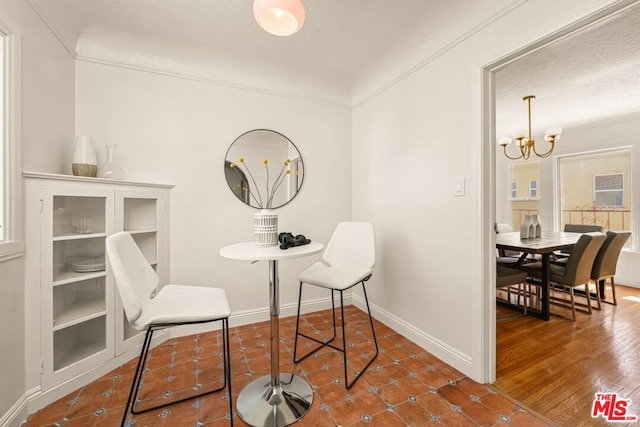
506, 276
135, 278
503, 228
352, 245
607, 258
582, 228
580, 262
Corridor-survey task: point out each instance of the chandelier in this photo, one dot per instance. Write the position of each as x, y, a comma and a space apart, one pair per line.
526, 143
279, 17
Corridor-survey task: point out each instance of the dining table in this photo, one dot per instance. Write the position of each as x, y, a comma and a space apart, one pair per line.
277, 399
545, 246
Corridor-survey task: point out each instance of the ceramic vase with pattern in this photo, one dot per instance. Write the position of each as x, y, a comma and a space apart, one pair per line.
265, 228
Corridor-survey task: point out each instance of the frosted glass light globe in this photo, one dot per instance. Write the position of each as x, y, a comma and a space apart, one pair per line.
279, 17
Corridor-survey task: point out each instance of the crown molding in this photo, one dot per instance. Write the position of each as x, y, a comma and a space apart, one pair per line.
484, 24
206, 80
47, 22
45, 19
344, 106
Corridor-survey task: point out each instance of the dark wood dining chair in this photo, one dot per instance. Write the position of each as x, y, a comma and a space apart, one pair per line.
576, 272
604, 266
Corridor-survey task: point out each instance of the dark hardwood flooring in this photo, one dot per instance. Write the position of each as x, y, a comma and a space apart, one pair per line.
555, 368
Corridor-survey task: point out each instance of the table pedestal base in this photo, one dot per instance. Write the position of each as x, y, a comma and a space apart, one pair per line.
262, 405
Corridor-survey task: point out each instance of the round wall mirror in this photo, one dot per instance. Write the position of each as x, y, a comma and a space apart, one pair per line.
264, 169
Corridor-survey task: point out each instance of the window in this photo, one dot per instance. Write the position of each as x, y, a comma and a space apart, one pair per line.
3, 149
592, 189
608, 190
533, 189
11, 243
524, 178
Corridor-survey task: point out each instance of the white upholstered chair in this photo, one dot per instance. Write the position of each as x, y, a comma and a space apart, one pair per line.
173, 305
349, 259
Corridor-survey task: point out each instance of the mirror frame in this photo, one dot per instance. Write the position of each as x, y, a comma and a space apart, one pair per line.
297, 163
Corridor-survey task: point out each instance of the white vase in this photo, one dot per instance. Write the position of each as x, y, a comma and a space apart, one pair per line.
110, 169
527, 230
537, 228
85, 160
265, 228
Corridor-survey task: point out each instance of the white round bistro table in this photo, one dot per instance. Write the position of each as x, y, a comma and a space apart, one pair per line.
278, 399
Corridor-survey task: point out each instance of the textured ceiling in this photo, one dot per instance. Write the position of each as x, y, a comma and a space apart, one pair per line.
590, 75
350, 49
342, 46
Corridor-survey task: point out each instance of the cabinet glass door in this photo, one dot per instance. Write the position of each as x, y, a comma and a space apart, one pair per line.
77, 298
140, 215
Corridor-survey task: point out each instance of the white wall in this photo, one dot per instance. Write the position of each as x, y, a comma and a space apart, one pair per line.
178, 131
409, 145
12, 334
47, 110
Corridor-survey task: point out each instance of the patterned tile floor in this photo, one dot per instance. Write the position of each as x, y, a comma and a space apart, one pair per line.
405, 386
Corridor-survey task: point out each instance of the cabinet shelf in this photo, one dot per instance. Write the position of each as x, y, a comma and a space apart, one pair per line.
71, 277
79, 312
78, 352
77, 236
142, 231
80, 341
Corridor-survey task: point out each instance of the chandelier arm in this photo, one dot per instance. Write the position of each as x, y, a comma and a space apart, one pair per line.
548, 153
504, 147
525, 149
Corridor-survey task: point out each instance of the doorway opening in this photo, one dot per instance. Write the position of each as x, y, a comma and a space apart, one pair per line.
501, 88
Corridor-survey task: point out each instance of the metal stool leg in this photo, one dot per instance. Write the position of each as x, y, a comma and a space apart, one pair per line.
327, 343
142, 361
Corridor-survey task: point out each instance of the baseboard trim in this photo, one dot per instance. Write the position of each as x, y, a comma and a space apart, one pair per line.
633, 282
439, 349
18, 412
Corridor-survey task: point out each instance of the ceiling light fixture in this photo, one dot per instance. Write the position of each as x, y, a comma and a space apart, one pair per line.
526, 143
279, 17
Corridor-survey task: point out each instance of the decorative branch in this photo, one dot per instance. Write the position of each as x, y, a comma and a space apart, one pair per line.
267, 203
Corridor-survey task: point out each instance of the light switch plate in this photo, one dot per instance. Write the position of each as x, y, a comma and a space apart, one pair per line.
458, 186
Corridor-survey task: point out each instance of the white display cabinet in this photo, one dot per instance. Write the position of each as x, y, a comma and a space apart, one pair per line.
81, 325
139, 213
